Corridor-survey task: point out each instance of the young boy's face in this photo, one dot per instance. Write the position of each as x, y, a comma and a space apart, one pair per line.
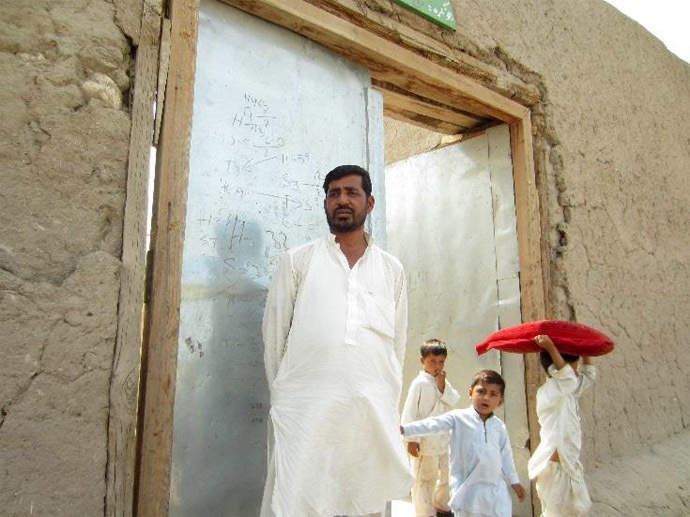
486, 398
433, 364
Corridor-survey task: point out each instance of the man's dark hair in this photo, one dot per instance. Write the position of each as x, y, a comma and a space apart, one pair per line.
433, 347
546, 361
489, 377
348, 170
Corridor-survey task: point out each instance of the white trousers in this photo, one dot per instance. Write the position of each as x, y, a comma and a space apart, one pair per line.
430, 489
266, 510
561, 495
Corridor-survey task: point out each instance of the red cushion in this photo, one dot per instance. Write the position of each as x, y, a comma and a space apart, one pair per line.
570, 338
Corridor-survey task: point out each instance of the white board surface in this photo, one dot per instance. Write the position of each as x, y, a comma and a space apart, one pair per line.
273, 113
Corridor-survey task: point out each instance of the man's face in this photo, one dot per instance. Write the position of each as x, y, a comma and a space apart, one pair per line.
346, 204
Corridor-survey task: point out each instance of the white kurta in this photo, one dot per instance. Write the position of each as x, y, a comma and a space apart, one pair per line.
334, 346
431, 488
424, 399
480, 461
559, 418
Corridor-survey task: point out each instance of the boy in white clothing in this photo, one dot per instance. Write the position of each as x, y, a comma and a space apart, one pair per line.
556, 461
430, 394
480, 454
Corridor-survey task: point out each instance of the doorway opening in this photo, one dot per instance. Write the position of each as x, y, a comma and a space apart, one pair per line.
450, 219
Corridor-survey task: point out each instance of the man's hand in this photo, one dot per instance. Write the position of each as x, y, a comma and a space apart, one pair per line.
441, 380
413, 449
519, 491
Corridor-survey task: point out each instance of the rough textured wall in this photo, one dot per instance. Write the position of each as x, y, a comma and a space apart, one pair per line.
612, 133
63, 149
614, 145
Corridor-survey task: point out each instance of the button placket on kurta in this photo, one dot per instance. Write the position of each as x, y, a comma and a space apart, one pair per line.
354, 314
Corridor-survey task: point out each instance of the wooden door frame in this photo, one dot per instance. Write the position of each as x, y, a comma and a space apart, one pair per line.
392, 67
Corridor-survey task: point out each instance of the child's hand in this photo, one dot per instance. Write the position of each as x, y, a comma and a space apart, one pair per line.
519, 491
441, 380
544, 341
413, 449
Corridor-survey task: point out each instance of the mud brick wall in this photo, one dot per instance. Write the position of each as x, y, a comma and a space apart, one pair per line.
64, 137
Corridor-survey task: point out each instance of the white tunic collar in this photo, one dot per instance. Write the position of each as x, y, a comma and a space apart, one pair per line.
330, 237
475, 414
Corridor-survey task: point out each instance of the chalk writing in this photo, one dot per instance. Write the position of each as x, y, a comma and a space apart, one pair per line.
279, 239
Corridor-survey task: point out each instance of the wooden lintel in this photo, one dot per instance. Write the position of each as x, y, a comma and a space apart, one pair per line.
387, 61
420, 120
396, 101
387, 23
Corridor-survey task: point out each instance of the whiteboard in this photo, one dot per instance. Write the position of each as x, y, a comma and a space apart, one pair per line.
273, 113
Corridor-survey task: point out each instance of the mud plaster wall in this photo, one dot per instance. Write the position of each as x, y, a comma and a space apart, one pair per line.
612, 138
611, 131
64, 140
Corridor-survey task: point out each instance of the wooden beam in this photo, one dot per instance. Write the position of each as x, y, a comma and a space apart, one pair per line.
167, 236
388, 62
387, 22
420, 120
448, 120
164, 65
125, 369
528, 216
530, 251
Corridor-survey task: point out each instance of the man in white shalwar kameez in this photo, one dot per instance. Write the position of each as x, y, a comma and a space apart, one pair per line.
334, 334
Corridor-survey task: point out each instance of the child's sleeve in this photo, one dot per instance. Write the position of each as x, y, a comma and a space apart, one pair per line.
507, 461
587, 377
410, 411
431, 425
450, 396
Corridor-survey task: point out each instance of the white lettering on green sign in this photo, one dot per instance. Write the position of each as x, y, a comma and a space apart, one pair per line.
438, 11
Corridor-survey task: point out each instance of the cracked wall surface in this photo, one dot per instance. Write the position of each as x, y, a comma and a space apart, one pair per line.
611, 117
612, 150
63, 151
614, 130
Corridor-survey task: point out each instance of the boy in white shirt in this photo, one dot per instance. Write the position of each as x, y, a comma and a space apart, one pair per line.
480, 454
556, 461
430, 394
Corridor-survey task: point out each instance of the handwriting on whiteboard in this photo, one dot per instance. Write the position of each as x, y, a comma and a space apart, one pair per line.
263, 193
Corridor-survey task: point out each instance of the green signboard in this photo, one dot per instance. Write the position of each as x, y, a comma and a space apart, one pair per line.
438, 11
